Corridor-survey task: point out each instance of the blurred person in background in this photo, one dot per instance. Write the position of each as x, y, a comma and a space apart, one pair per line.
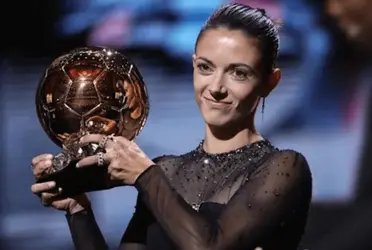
354, 20
352, 17
350, 25
235, 190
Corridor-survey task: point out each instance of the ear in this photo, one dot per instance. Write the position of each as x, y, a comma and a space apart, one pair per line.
272, 82
193, 60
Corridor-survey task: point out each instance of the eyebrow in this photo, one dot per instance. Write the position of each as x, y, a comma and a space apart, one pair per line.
232, 65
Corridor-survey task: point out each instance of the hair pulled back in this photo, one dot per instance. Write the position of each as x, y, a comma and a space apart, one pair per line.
253, 22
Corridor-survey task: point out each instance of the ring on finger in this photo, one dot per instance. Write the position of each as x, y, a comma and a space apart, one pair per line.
103, 141
111, 138
100, 159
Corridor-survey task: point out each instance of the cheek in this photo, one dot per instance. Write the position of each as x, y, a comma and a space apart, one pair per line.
199, 85
245, 97
243, 92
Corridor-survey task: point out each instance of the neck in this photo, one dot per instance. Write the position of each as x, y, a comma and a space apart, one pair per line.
220, 140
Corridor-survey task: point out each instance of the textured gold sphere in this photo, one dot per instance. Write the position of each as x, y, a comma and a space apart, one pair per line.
91, 90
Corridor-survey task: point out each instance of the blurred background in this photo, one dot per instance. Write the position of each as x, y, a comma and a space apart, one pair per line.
322, 108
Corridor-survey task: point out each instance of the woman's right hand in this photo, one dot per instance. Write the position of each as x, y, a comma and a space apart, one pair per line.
49, 194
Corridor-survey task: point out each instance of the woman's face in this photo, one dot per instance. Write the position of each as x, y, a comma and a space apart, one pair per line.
228, 80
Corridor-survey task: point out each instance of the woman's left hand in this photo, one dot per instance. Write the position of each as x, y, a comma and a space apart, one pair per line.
124, 159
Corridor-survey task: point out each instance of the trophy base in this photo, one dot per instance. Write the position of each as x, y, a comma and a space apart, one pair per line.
73, 181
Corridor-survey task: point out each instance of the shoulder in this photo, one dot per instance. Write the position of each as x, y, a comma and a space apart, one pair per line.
289, 162
291, 157
168, 163
165, 159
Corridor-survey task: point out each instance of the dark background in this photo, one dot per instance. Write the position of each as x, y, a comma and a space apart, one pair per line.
321, 108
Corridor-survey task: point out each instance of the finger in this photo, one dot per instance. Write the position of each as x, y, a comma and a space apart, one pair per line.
39, 158
113, 176
48, 198
110, 144
40, 167
91, 138
96, 138
112, 172
87, 162
93, 160
43, 187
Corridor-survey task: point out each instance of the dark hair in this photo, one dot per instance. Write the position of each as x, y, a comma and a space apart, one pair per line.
253, 22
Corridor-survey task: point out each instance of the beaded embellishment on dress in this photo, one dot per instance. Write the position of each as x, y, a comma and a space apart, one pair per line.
199, 174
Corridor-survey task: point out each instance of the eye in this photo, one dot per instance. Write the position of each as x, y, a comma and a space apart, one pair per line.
240, 74
203, 67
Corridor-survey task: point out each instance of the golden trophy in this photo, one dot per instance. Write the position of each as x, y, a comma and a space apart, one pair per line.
90, 90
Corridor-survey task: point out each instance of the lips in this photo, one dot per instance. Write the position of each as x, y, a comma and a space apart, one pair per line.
217, 102
213, 104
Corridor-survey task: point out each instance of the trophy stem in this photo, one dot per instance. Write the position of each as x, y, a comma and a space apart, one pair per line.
61, 161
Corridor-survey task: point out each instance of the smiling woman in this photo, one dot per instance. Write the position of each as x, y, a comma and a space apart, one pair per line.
235, 190
226, 78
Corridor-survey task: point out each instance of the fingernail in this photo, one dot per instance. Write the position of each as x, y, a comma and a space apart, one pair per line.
77, 165
51, 184
60, 190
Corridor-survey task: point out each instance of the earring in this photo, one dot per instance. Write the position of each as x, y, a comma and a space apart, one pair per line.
262, 108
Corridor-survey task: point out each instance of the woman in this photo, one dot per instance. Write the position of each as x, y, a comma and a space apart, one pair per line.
235, 190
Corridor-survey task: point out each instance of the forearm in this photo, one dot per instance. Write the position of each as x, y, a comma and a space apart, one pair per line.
187, 228
85, 232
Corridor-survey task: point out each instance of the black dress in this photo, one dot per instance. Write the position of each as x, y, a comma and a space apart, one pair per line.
254, 196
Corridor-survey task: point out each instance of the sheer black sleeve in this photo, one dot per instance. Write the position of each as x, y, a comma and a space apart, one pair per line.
85, 232
274, 191
135, 235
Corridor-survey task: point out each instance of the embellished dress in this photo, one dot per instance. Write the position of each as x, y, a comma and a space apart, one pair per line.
254, 196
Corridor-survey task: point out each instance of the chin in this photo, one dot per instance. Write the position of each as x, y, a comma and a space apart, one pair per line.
217, 121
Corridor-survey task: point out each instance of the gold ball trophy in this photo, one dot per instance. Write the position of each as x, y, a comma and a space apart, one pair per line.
90, 90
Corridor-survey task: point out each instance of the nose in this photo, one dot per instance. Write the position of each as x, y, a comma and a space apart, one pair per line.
217, 89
